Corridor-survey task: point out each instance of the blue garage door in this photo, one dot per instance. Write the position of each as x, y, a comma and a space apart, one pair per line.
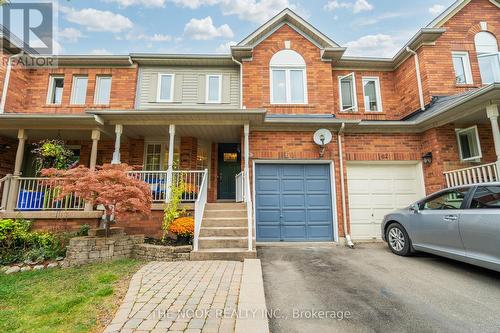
293, 202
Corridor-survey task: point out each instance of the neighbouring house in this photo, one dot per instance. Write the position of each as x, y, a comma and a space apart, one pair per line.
238, 128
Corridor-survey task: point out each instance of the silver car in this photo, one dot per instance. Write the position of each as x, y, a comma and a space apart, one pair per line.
461, 223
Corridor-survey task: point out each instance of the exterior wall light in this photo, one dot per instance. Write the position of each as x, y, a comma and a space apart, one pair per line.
427, 158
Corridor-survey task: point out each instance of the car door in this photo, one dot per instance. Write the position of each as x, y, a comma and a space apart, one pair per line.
435, 225
480, 224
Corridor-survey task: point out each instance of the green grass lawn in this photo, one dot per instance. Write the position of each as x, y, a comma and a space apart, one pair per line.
79, 299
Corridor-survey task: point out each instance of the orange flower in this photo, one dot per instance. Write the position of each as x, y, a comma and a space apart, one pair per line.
183, 226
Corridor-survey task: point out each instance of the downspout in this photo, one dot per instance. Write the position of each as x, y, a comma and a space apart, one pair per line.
419, 78
348, 240
241, 80
6, 83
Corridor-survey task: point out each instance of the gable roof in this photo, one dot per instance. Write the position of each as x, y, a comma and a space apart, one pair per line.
329, 48
452, 10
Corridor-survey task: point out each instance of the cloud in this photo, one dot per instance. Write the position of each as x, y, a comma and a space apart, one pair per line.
361, 6
148, 38
357, 6
436, 9
204, 29
145, 3
225, 47
248, 10
97, 20
378, 19
71, 35
379, 45
100, 52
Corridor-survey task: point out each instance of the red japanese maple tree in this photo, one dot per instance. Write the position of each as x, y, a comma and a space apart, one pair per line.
110, 186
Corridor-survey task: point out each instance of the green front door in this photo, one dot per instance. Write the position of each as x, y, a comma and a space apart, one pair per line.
229, 165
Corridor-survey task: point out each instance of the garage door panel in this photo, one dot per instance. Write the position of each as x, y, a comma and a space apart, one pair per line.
267, 185
375, 190
301, 208
266, 171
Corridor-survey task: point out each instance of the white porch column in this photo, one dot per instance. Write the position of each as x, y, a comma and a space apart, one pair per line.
492, 112
116, 153
170, 169
14, 184
96, 135
246, 130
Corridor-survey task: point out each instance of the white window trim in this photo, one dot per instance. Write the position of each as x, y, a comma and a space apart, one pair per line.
207, 85
73, 87
354, 108
158, 88
97, 86
467, 68
162, 153
51, 88
481, 55
288, 86
462, 130
378, 93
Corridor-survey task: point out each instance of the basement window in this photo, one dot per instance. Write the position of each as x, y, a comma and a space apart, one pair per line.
347, 91
468, 144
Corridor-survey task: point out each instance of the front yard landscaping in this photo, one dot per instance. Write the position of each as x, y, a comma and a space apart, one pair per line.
79, 299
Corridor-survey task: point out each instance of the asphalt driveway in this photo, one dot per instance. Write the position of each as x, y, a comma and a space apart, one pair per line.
369, 289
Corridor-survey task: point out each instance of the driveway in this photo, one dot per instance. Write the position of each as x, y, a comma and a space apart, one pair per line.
369, 289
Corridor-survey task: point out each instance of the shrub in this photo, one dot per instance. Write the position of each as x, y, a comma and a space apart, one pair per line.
18, 243
84, 230
173, 209
183, 226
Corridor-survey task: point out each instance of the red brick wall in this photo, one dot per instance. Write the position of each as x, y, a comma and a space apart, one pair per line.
28, 89
8, 149
59, 225
256, 91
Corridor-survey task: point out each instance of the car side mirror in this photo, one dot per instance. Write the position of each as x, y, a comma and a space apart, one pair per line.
415, 208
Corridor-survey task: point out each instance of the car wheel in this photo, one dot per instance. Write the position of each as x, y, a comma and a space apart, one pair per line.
398, 240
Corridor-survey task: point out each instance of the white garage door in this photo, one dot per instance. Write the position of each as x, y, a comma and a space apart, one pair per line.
376, 189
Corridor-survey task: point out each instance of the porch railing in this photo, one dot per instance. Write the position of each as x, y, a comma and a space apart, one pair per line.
37, 193
158, 182
199, 207
240, 187
473, 175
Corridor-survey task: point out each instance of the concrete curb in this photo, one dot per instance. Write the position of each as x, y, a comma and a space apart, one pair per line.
252, 310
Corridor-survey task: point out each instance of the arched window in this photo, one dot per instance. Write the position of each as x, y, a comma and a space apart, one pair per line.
288, 78
488, 57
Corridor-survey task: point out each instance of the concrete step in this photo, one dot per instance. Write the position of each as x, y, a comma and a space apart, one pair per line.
222, 242
224, 222
236, 254
223, 231
214, 213
225, 205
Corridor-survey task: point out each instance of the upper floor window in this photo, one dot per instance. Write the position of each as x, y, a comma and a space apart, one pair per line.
488, 57
165, 88
468, 144
214, 88
79, 90
347, 91
288, 78
56, 86
102, 90
461, 66
371, 94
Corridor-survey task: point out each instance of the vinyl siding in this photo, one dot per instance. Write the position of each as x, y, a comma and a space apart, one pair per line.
190, 95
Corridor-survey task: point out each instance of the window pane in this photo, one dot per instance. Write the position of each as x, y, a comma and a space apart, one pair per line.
153, 157
103, 90
347, 93
370, 95
468, 144
79, 90
449, 200
297, 86
489, 66
213, 88
486, 197
458, 65
165, 88
57, 91
279, 86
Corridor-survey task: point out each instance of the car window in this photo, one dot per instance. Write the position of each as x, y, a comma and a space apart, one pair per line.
451, 199
486, 197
